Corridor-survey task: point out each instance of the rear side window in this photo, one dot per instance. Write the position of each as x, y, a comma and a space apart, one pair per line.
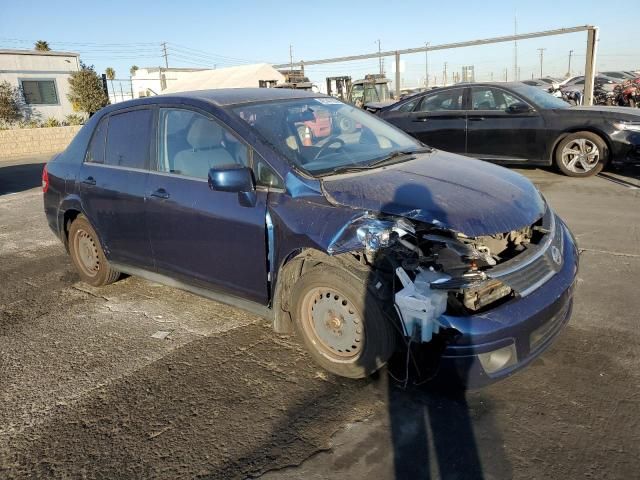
128, 138
95, 153
442, 101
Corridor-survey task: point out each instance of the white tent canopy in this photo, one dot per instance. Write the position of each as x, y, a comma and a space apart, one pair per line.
232, 77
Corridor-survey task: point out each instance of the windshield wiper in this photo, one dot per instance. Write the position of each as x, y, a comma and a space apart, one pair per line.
395, 155
386, 160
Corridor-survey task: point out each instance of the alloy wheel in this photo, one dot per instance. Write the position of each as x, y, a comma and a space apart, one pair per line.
580, 155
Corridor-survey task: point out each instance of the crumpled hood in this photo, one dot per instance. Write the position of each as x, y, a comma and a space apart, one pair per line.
463, 194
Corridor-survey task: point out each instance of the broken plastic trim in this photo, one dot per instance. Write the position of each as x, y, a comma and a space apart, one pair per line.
367, 231
418, 306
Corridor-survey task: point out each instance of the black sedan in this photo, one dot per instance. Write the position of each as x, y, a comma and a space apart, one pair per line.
519, 124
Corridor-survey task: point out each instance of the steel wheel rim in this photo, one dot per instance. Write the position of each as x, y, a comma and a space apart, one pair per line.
580, 155
333, 324
87, 253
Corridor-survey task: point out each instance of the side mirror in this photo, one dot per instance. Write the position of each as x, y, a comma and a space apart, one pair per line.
519, 108
231, 178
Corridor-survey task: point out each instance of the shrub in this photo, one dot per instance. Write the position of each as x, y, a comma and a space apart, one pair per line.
51, 122
74, 119
87, 94
9, 103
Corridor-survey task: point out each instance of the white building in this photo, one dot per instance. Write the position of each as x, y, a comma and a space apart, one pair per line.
42, 78
153, 80
231, 77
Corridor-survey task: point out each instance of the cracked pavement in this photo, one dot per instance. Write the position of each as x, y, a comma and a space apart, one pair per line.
88, 391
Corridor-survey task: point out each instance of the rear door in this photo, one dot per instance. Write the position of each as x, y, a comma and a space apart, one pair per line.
205, 237
112, 185
495, 134
437, 119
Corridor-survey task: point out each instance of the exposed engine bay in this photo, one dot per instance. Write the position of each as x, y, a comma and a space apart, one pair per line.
435, 271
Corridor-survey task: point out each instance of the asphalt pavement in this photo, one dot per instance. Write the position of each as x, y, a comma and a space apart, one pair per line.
138, 380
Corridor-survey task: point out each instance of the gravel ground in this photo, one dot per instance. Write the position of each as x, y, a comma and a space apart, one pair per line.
137, 380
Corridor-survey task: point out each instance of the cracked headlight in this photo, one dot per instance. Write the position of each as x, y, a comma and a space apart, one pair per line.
369, 232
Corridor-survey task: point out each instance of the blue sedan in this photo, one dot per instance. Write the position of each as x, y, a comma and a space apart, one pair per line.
322, 218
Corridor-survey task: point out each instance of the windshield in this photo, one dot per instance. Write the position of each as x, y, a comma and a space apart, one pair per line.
540, 97
324, 135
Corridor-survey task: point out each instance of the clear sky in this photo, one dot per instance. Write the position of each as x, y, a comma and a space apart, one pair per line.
222, 33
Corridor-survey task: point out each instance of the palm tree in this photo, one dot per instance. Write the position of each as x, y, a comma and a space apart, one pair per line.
42, 46
111, 74
133, 70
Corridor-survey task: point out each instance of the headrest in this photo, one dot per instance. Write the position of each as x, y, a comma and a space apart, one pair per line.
204, 133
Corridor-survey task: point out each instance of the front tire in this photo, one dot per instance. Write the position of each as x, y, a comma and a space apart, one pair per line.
581, 154
341, 323
87, 254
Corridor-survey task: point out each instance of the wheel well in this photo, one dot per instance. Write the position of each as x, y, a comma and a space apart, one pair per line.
604, 138
68, 218
293, 267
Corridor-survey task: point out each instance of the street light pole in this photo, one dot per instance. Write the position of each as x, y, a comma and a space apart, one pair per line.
569, 69
541, 50
426, 66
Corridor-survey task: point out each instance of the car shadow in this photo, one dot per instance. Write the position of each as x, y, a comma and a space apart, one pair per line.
18, 178
431, 427
626, 176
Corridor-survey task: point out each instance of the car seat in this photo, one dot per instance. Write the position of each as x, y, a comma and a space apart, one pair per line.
205, 139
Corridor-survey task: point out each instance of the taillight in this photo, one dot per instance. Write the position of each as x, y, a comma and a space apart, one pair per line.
45, 180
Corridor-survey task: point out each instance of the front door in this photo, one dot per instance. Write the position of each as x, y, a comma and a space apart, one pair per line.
112, 183
438, 120
493, 133
205, 237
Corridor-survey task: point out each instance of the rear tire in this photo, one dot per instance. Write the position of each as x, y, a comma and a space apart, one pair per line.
341, 323
581, 154
87, 254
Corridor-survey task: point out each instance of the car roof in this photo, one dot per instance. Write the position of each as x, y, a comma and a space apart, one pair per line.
231, 96
477, 84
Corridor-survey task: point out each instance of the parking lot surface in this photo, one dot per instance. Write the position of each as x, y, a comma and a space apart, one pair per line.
138, 380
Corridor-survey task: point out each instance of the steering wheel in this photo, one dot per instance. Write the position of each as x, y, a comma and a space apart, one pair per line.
333, 139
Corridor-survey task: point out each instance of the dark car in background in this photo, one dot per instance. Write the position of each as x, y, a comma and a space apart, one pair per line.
519, 124
361, 241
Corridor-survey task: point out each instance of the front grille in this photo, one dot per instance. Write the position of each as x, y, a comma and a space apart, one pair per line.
533, 268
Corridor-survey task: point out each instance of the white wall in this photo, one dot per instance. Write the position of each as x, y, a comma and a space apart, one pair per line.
24, 66
149, 78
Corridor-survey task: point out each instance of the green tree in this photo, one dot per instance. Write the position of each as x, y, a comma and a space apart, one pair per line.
9, 103
42, 46
133, 70
111, 74
87, 94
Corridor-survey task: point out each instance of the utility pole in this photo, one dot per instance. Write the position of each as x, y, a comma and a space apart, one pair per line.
290, 58
492, 76
164, 54
444, 75
569, 69
516, 72
380, 57
505, 74
426, 66
541, 50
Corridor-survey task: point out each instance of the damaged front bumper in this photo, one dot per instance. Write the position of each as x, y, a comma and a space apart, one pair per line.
493, 345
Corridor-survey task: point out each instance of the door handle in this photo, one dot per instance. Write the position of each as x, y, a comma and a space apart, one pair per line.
160, 193
476, 119
89, 181
421, 119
